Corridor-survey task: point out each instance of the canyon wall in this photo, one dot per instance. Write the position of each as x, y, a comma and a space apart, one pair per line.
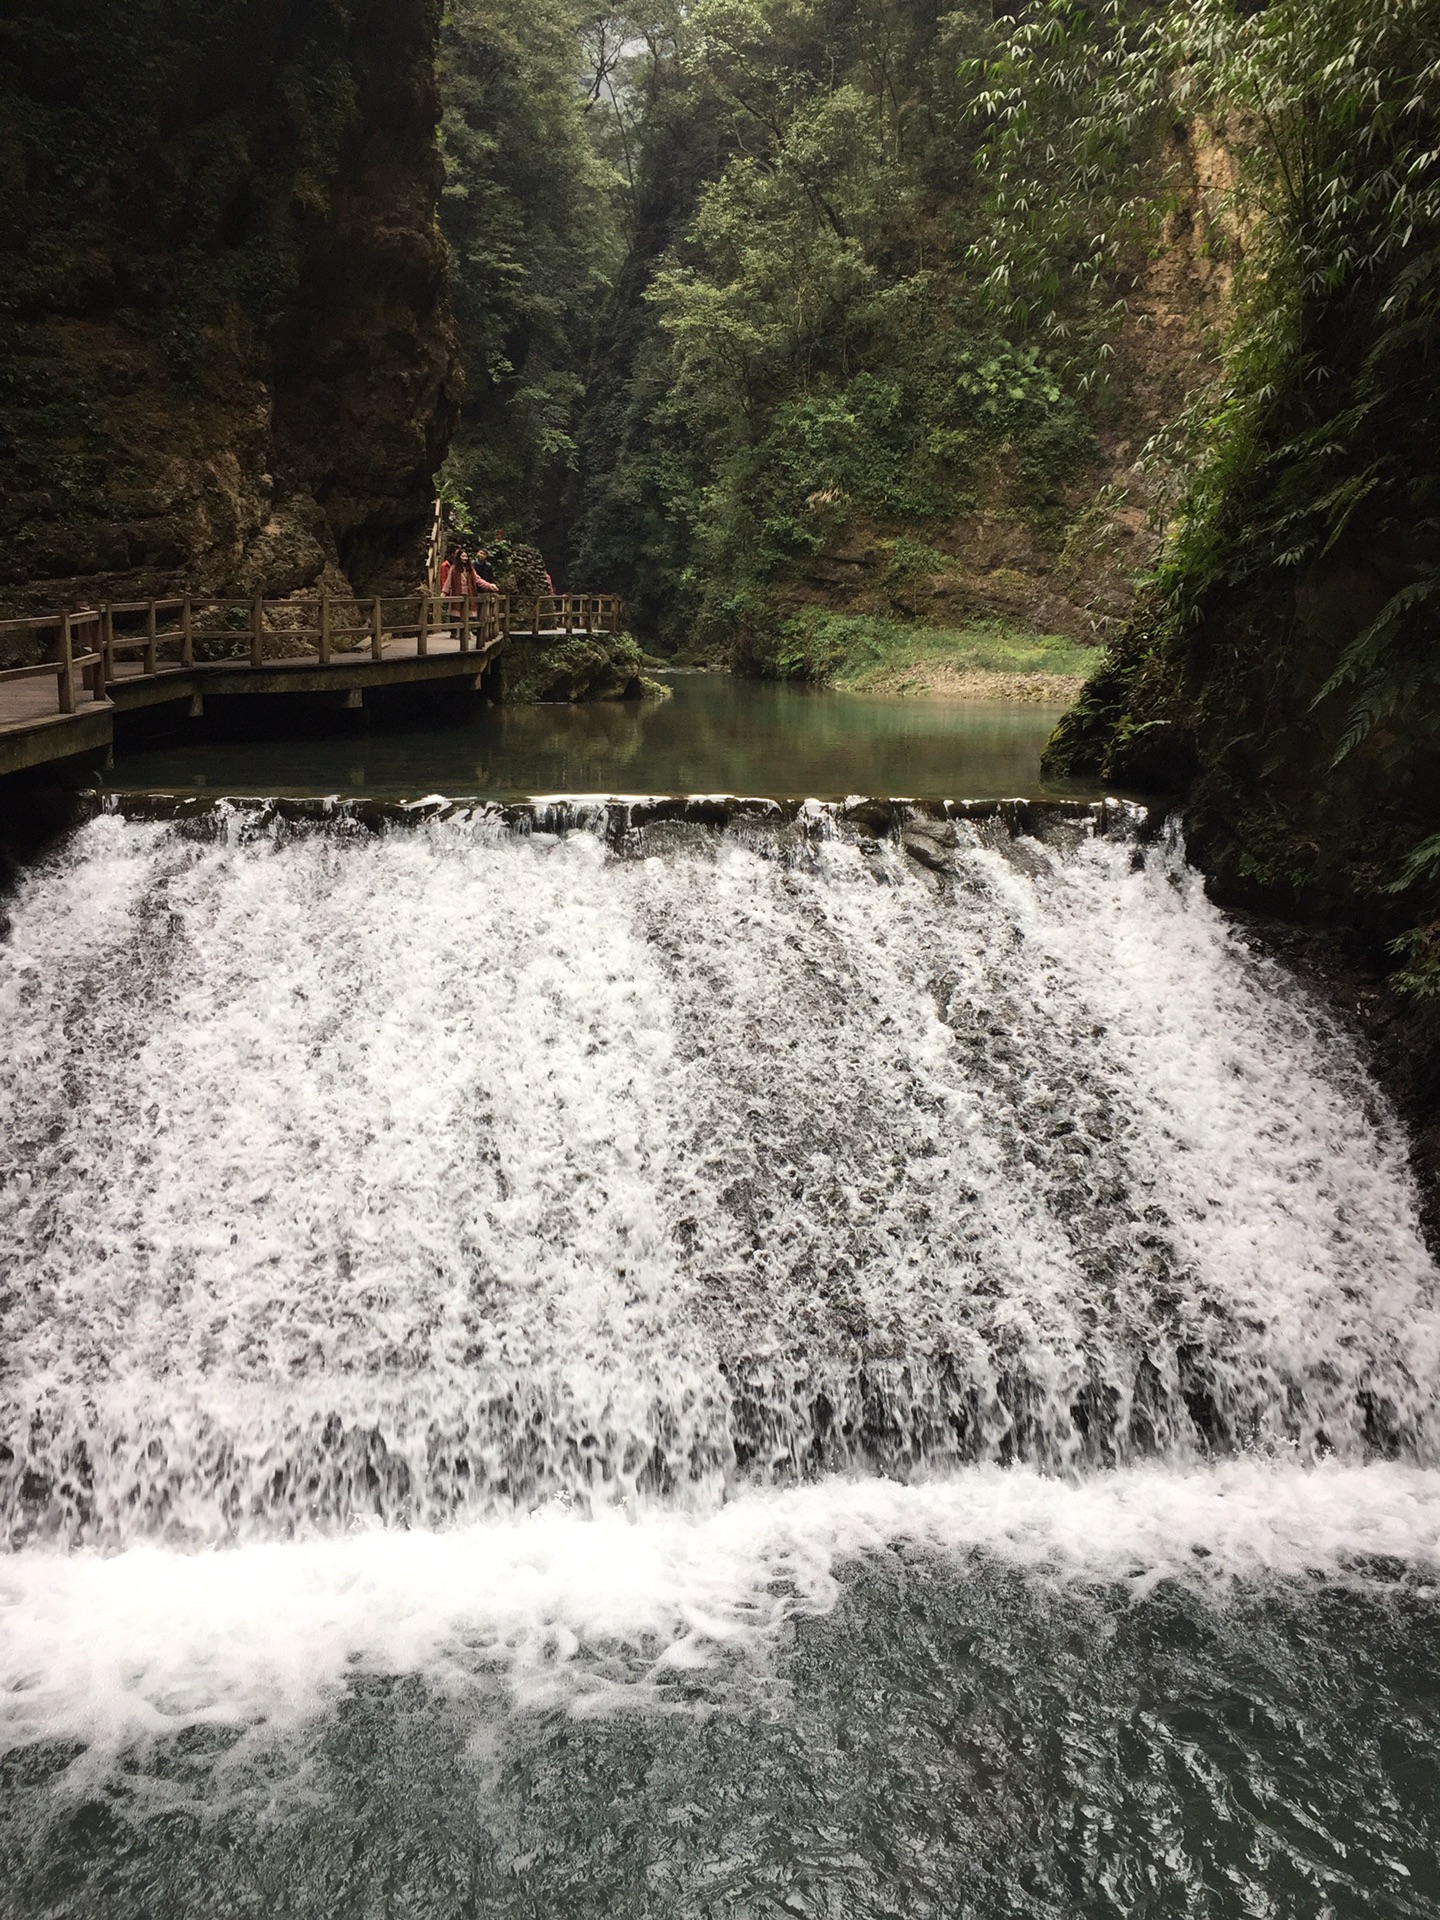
1062, 554
1282, 678
226, 355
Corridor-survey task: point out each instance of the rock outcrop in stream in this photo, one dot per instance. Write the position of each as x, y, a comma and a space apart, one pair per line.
226, 356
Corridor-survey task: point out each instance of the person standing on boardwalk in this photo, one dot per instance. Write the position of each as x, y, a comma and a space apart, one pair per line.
471, 576
463, 585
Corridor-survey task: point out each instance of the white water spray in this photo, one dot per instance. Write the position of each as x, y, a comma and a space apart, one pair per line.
440, 1172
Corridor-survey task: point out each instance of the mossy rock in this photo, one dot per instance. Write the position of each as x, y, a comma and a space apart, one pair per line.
582, 667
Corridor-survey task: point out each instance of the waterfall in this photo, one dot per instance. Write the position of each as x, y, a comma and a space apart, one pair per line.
477, 1190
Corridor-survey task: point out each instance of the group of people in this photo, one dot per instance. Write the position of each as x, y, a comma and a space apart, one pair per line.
463, 576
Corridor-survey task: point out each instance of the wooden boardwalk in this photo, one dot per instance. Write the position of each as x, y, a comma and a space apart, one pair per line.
141, 653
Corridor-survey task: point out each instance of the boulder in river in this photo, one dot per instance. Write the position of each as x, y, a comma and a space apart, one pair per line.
578, 667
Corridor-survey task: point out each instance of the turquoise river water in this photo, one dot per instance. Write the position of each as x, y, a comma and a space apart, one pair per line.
714, 735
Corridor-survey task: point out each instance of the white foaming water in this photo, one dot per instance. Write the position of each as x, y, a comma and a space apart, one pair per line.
449, 1168
459, 1174
591, 1613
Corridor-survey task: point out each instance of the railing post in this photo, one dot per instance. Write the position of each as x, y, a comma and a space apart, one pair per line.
152, 652
257, 631
435, 556
422, 628
97, 672
187, 632
465, 624
66, 676
377, 631
324, 629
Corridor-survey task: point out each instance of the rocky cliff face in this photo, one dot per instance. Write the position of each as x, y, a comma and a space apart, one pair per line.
1231, 717
1064, 556
226, 358
1282, 680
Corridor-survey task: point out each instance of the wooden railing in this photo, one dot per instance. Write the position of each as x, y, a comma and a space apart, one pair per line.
151, 638
435, 552
68, 662
561, 613
330, 630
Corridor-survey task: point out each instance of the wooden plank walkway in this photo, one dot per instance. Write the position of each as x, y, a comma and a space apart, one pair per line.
112, 658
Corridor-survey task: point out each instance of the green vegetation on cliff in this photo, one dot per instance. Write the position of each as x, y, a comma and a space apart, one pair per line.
531, 212
225, 359
832, 367
729, 310
830, 364
1286, 675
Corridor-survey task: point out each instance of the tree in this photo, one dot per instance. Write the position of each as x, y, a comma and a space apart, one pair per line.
533, 212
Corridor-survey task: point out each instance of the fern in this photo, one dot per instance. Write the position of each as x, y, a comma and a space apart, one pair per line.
1379, 664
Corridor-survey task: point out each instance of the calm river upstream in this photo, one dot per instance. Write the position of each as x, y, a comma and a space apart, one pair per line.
718, 734
576, 1361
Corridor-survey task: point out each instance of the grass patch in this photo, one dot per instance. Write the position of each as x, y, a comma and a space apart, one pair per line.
864, 653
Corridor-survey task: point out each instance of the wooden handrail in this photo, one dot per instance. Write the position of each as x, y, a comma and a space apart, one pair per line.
27, 622
47, 666
345, 629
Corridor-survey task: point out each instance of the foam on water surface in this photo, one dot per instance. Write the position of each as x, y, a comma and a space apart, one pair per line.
596, 1613
558, 1252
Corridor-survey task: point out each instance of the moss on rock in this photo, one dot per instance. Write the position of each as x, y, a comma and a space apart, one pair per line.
582, 667
226, 359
